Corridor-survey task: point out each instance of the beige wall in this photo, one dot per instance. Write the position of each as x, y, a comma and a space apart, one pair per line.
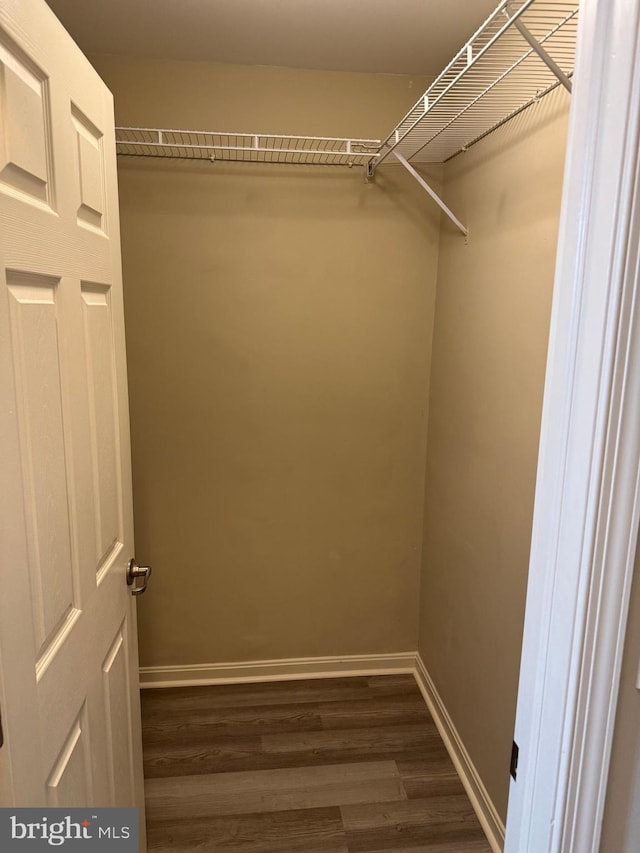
488, 361
279, 326
621, 826
278, 330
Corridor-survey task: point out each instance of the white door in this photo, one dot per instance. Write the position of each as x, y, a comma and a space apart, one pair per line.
68, 652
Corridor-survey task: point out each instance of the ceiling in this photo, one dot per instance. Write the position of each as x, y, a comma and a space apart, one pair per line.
383, 36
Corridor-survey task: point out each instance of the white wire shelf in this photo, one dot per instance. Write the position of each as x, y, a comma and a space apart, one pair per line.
523, 50
496, 75
245, 147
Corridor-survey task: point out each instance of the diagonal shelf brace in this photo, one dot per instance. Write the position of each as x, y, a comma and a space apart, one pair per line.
434, 195
535, 45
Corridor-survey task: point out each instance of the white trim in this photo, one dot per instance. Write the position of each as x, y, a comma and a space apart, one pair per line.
586, 506
277, 670
469, 776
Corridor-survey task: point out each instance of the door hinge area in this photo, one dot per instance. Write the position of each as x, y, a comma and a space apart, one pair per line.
515, 751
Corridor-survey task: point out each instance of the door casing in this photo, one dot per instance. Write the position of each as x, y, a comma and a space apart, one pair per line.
586, 505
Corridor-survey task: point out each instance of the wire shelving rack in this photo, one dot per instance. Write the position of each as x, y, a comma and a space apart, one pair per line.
245, 147
522, 51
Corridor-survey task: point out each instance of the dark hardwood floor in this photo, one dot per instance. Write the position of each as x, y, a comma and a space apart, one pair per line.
336, 765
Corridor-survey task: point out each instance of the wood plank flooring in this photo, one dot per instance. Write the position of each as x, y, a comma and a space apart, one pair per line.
336, 765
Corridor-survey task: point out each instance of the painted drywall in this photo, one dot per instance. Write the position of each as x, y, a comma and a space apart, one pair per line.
488, 361
278, 330
621, 825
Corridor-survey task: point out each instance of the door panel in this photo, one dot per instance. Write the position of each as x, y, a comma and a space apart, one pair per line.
91, 175
70, 783
26, 144
68, 652
115, 682
34, 333
101, 381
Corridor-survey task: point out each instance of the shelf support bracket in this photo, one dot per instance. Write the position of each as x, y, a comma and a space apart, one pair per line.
535, 45
369, 174
434, 195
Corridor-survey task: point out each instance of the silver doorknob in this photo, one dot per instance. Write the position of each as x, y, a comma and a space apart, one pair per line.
133, 573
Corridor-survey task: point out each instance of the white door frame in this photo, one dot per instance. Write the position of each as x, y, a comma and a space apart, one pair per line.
586, 506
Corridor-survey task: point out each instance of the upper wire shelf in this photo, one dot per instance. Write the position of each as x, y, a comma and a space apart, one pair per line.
245, 147
498, 73
522, 51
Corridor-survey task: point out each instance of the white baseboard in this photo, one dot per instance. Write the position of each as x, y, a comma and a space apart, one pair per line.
277, 670
328, 667
480, 800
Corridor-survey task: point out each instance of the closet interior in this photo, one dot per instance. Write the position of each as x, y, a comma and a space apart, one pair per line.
336, 377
